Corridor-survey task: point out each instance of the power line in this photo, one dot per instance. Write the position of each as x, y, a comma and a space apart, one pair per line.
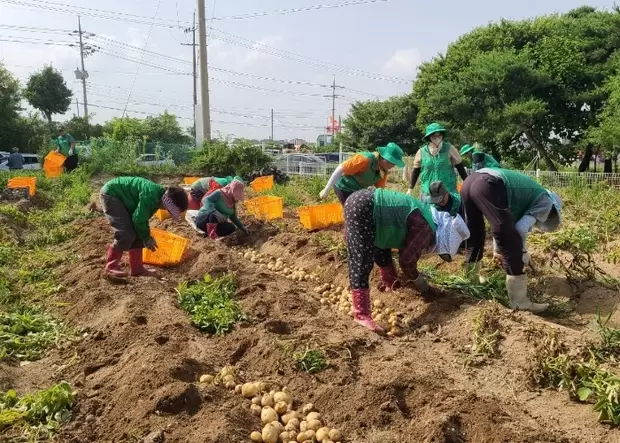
37, 41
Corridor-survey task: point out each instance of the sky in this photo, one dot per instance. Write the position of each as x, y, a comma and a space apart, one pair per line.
258, 59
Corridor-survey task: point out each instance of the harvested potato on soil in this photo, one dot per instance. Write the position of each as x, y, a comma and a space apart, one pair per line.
249, 390
238, 389
256, 410
322, 434
267, 415
267, 400
256, 436
314, 425
230, 385
207, 378
283, 396
270, 434
281, 407
309, 407
303, 426
335, 435
313, 416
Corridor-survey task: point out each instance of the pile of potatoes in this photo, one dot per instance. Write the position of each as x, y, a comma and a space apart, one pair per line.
336, 296
278, 266
281, 423
397, 320
226, 377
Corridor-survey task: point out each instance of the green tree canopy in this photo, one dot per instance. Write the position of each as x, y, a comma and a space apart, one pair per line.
376, 123
516, 86
9, 108
48, 92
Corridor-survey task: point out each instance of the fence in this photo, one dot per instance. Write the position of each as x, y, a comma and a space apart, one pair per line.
546, 178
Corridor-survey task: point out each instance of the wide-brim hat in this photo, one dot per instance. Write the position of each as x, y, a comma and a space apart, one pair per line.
466, 149
392, 153
433, 128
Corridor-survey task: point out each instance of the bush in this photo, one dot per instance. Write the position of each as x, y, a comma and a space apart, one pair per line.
218, 159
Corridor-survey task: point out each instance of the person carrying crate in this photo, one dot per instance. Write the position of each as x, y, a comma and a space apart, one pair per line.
364, 170
512, 203
218, 208
129, 203
204, 186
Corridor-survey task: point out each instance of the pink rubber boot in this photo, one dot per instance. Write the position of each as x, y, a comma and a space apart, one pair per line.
211, 231
113, 262
389, 278
136, 265
361, 309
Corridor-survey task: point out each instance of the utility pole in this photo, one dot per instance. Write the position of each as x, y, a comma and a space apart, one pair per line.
205, 115
272, 124
77, 105
333, 97
84, 74
193, 45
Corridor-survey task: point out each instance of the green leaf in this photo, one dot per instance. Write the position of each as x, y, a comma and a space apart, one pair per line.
584, 393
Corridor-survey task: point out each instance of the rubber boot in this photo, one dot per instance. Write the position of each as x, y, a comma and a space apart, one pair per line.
361, 309
113, 262
136, 265
389, 278
516, 285
211, 230
472, 273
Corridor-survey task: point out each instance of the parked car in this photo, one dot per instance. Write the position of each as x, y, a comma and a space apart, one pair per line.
300, 164
31, 161
154, 160
3, 154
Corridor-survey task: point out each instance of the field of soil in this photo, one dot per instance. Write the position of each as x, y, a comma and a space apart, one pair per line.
137, 365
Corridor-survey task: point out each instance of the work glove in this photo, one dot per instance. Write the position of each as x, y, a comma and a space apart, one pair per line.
324, 193
410, 192
150, 244
421, 285
527, 257
221, 218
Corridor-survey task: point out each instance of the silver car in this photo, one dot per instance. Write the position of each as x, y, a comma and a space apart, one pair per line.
153, 160
31, 161
302, 164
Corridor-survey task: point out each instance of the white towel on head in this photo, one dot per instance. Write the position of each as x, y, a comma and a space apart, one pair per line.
190, 218
450, 233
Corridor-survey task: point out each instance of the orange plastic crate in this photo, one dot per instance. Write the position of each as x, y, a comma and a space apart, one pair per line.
53, 172
170, 250
264, 183
162, 214
266, 207
321, 216
190, 180
24, 182
54, 159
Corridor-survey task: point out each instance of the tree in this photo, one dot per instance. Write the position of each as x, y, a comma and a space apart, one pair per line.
9, 108
48, 92
523, 86
376, 123
218, 159
81, 128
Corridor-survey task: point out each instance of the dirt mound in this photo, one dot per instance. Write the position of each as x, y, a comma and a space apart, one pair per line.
141, 358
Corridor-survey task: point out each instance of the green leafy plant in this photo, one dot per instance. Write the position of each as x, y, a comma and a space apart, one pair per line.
210, 303
38, 414
311, 360
486, 334
608, 348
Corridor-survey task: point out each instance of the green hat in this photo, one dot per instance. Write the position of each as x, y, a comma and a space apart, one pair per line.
466, 149
392, 153
236, 177
432, 128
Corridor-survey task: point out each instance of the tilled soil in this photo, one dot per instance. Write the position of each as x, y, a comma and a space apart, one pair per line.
137, 368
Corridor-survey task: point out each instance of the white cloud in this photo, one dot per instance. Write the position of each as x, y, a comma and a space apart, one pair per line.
403, 63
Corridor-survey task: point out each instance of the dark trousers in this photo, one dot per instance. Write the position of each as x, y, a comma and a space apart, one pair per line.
125, 237
361, 250
222, 229
484, 196
342, 195
71, 163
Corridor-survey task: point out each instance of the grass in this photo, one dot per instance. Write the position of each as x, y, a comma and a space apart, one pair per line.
300, 191
36, 415
25, 333
486, 335
210, 303
311, 360
607, 349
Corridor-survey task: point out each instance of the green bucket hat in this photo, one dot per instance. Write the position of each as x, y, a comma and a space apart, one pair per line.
392, 153
466, 149
432, 128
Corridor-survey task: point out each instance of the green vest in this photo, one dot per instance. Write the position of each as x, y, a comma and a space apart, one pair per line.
454, 206
522, 190
487, 162
368, 178
390, 213
437, 168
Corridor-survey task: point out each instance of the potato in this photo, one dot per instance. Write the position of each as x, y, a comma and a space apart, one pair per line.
377, 304
247, 255
335, 435
249, 390
270, 434
256, 436
228, 378
287, 417
256, 400
286, 436
262, 387
283, 396
310, 434
301, 437
303, 426
313, 416
280, 407
378, 317
279, 426
230, 385
267, 400
256, 410
309, 407
267, 415
396, 331
314, 425
294, 422
270, 266
339, 289
206, 378
322, 434
238, 389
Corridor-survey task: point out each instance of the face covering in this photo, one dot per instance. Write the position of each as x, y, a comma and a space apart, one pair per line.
436, 139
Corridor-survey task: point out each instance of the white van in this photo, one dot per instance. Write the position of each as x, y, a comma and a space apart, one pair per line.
31, 161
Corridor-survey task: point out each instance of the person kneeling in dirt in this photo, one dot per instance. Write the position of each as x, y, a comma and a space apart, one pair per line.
512, 203
378, 221
363, 170
128, 203
218, 207
204, 186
